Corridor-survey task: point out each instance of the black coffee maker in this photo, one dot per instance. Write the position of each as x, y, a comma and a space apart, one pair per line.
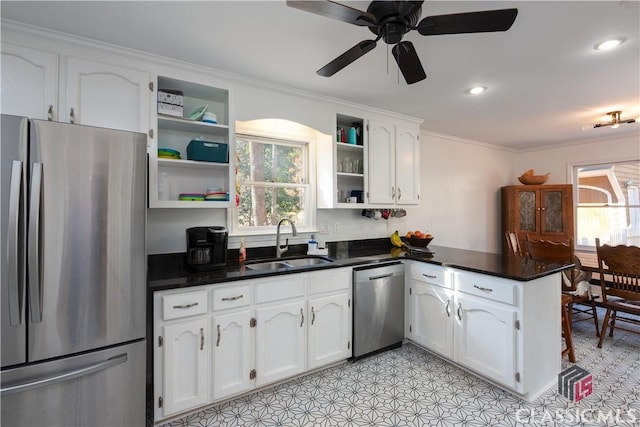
207, 247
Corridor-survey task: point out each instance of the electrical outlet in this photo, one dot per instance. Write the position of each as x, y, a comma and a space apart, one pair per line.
324, 228
336, 228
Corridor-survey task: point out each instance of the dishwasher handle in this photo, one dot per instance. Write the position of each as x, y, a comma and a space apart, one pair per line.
381, 276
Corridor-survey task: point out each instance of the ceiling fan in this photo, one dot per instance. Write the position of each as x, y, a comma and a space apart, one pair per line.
391, 20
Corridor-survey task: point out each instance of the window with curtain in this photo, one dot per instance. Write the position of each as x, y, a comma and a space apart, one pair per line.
272, 183
608, 204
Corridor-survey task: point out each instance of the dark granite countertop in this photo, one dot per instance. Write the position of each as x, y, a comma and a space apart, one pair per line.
168, 271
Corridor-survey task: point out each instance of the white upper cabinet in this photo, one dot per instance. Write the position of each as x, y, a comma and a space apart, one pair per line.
407, 166
394, 159
47, 86
106, 95
29, 82
382, 188
379, 168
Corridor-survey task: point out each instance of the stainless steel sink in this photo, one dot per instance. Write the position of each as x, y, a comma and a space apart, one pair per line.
284, 263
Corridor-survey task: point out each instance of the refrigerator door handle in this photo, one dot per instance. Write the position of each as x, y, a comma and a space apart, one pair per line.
35, 288
65, 376
15, 309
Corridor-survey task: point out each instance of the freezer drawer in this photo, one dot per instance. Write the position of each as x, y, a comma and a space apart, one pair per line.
102, 388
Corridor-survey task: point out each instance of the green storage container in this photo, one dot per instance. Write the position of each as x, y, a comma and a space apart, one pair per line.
208, 151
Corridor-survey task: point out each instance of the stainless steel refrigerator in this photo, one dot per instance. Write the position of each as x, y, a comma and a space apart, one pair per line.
73, 275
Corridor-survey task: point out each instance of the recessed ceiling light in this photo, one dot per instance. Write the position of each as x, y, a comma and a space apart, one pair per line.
477, 90
609, 44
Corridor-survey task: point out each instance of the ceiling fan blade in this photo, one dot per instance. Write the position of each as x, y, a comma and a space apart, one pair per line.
346, 58
471, 22
334, 10
408, 62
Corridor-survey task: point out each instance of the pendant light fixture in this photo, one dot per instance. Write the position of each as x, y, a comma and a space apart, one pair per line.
614, 120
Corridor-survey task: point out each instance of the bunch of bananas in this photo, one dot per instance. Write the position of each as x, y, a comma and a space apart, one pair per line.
396, 240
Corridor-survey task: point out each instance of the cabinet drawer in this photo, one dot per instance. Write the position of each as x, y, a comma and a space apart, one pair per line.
235, 296
329, 281
280, 288
429, 273
184, 304
490, 287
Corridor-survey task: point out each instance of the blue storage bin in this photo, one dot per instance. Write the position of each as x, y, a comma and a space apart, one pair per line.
208, 151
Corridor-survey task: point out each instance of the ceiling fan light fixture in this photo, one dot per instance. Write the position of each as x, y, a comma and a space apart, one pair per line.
609, 44
477, 90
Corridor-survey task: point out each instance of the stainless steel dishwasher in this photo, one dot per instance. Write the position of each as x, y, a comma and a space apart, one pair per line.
378, 308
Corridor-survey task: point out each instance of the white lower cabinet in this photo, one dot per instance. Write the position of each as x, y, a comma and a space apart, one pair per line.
186, 354
431, 324
329, 329
506, 331
232, 354
280, 342
218, 341
486, 338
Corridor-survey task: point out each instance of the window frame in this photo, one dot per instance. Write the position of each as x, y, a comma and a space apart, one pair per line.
273, 135
574, 169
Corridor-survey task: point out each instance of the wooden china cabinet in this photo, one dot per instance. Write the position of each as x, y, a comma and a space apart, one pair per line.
539, 211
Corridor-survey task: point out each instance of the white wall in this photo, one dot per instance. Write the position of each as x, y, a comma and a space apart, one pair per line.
559, 160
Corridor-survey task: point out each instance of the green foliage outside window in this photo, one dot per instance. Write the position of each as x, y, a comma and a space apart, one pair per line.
272, 181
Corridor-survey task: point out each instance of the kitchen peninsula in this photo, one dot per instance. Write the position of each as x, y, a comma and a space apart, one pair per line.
497, 316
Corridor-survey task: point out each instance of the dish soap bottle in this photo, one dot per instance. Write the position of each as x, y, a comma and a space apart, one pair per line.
242, 253
312, 246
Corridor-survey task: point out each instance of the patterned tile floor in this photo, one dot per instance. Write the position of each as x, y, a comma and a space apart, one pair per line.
411, 387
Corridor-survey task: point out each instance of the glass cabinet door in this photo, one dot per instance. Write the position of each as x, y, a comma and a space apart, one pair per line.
552, 218
527, 203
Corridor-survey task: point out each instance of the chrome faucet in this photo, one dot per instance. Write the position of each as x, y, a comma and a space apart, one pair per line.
282, 249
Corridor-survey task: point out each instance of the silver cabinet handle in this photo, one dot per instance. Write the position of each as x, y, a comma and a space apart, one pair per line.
447, 308
393, 192
65, 376
313, 316
72, 116
50, 112
33, 257
201, 339
483, 289
218, 338
459, 314
399, 193
429, 276
193, 304
302, 318
13, 226
237, 297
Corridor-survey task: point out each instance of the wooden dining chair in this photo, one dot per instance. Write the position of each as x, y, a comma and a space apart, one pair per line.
512, 242
566, 328
544, 250
621, 292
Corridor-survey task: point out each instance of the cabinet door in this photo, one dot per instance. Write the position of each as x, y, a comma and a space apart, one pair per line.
106, 95
432, 317
556, 218
185, 365
328, 330
382, 187
280, 342
29, 82
486, 338
231, 354
529, 208
407, 166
